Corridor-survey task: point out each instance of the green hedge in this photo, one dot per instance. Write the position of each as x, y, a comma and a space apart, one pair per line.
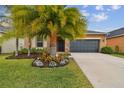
23, 51
107, 50
33, 50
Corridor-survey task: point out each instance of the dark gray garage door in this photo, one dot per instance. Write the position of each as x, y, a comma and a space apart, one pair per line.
87, 45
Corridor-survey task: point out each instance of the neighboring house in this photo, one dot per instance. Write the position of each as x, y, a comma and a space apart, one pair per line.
116, 39
0, 45
92, 42
1, 33
9, 46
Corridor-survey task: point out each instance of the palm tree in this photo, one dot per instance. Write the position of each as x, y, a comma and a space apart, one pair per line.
54, 21
22, 17
8, 35
10, 32
48, 21
5, 19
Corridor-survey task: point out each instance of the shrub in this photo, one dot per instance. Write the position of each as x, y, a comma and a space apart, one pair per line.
33, 50
50, 61
117, 49
39, 50
24, 51
65, 54
107, 50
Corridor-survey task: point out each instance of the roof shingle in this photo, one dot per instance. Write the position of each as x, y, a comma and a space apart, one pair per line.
114, 33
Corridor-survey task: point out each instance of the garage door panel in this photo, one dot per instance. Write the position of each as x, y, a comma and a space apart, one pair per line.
90, 45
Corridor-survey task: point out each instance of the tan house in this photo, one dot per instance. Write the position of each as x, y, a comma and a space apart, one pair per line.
116, 39
92, 42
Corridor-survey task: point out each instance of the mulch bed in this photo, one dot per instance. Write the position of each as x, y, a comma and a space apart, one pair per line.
23, 56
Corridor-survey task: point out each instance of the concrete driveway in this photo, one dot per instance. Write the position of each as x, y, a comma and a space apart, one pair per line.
103, 71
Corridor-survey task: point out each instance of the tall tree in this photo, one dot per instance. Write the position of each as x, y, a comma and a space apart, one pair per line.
22, 17
12, 31
59, 21
48, 21
6, 24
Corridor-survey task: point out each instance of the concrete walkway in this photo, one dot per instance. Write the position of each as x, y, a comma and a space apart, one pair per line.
103, 71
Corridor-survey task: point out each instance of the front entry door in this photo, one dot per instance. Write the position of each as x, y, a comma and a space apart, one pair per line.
60, 45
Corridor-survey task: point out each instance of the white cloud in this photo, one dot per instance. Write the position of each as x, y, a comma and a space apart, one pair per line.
99, 7
108, 9
115, 7
100, 30
99, 17
85, 6
85, 13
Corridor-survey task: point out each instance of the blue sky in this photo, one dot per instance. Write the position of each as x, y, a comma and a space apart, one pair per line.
103, 18
100, 18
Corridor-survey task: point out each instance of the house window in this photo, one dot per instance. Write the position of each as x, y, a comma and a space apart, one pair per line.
39, 42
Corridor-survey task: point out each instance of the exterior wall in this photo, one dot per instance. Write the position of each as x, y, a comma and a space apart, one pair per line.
101, 37
67, 45
0, 44
34, 43
116, 41
45, 43
10, 45
0, 34
21, 44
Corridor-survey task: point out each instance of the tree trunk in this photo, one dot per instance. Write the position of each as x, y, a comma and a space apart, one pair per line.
53, 42
29, 51
17, 45
29, 47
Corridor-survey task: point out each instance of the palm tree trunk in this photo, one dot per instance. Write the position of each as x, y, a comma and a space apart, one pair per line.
17, 45
29, 47
29, 51
53, 42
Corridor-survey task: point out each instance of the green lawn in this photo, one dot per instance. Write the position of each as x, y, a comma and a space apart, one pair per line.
20, 73
118, 55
